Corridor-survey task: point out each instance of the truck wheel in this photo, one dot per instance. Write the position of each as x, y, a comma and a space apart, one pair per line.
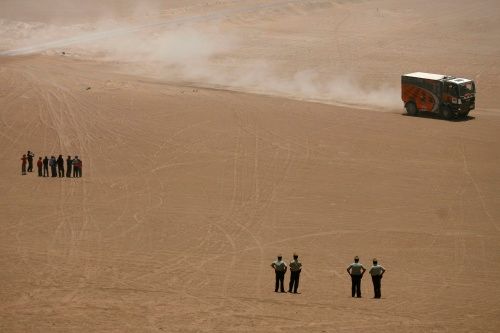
411, 109
446, 112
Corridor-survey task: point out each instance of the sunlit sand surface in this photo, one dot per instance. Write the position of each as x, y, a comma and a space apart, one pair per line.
217, 134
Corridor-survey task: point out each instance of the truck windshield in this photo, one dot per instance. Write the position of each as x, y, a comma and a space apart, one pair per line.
452, 89
467, 88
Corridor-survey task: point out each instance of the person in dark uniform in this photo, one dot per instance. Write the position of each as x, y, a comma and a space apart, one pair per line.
280, 268
356, 271
69, 164
30, 156
60, 166
45, 167
39, 165
23, 165
295, 269
376, 271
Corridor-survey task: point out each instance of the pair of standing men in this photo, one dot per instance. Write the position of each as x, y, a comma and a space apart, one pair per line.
356, 271
280, 267
27, 158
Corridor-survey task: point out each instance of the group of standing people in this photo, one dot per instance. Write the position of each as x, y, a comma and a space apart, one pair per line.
73, 166
355, 270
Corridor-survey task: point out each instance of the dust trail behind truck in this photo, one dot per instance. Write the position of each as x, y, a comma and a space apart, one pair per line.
446, 95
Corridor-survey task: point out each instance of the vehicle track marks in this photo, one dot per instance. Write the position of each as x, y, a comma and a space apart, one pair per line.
476, 187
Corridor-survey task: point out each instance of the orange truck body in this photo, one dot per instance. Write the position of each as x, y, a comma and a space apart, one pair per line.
446, 95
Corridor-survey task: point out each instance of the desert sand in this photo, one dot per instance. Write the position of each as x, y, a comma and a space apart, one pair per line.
215, 135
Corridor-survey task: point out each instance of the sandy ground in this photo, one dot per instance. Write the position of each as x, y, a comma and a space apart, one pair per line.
205, 158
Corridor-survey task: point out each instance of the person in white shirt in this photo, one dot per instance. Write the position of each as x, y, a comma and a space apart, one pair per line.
280, 268
356, 271
295, 269
376, 271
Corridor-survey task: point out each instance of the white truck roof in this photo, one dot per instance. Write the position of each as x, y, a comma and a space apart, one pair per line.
426, 76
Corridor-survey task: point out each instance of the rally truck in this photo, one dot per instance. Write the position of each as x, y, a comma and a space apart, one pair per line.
446, 95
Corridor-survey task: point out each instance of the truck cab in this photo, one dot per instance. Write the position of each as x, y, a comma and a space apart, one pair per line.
461, 96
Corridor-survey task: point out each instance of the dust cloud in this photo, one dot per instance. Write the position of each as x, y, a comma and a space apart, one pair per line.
205, 55
213, 57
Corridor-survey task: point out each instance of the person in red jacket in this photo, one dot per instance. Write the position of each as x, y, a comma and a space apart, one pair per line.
39, 165
23, 165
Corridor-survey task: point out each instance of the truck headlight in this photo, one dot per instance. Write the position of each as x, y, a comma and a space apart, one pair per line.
454, 100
